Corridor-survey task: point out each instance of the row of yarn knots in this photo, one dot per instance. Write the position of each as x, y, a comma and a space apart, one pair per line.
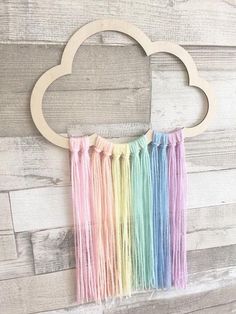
125, 150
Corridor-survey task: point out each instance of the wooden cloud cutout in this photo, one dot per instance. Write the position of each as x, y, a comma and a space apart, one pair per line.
148, 46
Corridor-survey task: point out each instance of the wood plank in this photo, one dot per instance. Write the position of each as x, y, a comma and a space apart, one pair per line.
85, 309
5, 213
7, 246
22, 266
211, 188
180, 302
46, 208
211, 238
206, 59
7, 238
201, 218
65, 108
213, 226
213, 258
4, 30
175, 104
54, 250
37, 293
218, 309
40, 163
57, 290
198, 22
109, 67
42, 208
94, 67
212, 150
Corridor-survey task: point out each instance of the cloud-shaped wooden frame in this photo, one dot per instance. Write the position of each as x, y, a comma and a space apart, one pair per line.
148, 46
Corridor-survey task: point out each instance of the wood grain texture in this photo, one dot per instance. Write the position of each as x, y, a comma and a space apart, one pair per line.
57, 290
64, 108
218, 309
53, 250
7, 246
198, 22
23, 265
201, 219
94, 67
37, 293
175, 104
113, 86
212, 150
7, 238
85, 309
5, 213
211, 227
42, 208
40, 164
206, 59
211, 188
206, 294
123, 84
50, 207
108, 67
213, 258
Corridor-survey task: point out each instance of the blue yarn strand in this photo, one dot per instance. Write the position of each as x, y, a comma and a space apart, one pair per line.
161, 236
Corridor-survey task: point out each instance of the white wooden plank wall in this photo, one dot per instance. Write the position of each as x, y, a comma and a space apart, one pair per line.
116, 91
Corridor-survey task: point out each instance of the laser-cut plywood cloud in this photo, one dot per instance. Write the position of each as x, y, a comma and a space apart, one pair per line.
65, 67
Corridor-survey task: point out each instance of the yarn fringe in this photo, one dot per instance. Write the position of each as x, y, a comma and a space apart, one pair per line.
129, 210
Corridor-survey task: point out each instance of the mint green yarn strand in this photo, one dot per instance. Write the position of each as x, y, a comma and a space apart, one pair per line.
148, 212
143, 254
138, 232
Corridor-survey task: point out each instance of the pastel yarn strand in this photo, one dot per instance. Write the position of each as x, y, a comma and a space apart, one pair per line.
161, 228
121, 183
125, 221
80, 173
147, 210
116, 177
108, 218
137, 222
177, 200
97, 222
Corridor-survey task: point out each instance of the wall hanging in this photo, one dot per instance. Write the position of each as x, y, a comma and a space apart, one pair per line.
129, 200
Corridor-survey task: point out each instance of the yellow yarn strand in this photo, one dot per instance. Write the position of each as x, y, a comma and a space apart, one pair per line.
121, 183
117, 195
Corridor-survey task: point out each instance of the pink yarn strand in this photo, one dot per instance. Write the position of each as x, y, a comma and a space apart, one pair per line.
98, 245
108, 215
80, 176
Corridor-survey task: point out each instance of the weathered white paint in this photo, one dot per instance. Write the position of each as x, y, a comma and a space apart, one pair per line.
5, 212
57, 290
175, 104
40, 164
23, 265
7, 238
50, 207
42, 208
53, 249
199, 23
